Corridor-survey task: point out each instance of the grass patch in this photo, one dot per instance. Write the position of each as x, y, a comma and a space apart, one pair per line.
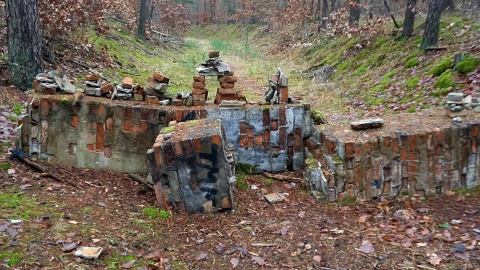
241, 182
412, 83
468, 64
468, 191
446, 80
11, 259
155, 213
441, 66
244, 168
411, 63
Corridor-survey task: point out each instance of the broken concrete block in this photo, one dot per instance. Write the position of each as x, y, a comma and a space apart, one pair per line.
190, 161
274, 197
367, 124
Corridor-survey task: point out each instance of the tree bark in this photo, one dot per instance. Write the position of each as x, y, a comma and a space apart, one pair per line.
354, 13
432, 24
409, 19
142, 19
24, 42
324, 16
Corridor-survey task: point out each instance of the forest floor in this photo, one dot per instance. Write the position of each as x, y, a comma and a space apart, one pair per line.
43, 222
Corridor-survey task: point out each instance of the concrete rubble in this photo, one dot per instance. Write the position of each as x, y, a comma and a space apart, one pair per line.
457, 104
52, 82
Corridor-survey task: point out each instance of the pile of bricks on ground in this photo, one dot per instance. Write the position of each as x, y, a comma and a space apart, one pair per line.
457, 104
192, 167
52, 82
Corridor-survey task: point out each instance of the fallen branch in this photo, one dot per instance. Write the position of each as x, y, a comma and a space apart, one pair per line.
140, 180
280, 177
78, 63
45, 172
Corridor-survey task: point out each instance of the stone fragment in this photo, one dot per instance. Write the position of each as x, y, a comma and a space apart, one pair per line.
89, 252
274, 197
455, 98
367, 124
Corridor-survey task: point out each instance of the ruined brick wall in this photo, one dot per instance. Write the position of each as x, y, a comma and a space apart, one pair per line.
100, 133
423, 162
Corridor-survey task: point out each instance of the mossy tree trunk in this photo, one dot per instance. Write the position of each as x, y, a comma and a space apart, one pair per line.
24, 42
324, 15
142, 19
409, 19
432, 24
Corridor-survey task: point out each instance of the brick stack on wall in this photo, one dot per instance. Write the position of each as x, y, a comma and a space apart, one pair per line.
227, 90
199, 92
192, 167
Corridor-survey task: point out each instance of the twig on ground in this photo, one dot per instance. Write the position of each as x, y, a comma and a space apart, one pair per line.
140, 180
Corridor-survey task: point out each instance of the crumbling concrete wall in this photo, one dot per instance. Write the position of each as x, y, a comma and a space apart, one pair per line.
113, 135
417, 161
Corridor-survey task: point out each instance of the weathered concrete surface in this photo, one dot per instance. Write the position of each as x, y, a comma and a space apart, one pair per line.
195, 168
99, 133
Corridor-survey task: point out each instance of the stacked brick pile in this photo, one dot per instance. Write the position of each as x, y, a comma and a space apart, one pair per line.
191, 166
157, 86
199, 92
278, 88
92, 85
124, 91
227, 90
53, 82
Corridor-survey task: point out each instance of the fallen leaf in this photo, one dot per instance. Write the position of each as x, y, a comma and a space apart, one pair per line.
202, 256
234, 262
367, 247
128, 265
258, 260
363, 219
434, 259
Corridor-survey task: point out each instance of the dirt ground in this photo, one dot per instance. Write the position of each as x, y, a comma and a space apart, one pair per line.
43, 222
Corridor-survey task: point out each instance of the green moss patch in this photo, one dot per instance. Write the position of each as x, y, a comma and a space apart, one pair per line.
441, 66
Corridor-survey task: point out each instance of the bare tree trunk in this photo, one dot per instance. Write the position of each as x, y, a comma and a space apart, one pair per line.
409, 19
354, 13
24, 42
142, 19
324, 16
432, 24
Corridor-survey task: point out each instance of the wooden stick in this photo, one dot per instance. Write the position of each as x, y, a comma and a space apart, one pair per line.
281, 177
45, 172
140, 180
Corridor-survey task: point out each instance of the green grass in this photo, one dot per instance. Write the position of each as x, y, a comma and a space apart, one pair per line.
468, 64
241, 182
468, 191
446, 80
11, 259
155, 213
441, 66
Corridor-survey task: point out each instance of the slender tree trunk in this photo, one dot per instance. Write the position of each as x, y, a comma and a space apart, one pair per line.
142, 19
333, 5
354, 13
409, 19
432, 24
24, 42
324, 16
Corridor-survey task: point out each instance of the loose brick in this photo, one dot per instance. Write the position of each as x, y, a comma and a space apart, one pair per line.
127, 82
199, 85
226, 91
198, 78
160, 77
227, 79
92, 77
199, 102
99, 144
227, 85
197, 91
106, 88
283, 94
74, 121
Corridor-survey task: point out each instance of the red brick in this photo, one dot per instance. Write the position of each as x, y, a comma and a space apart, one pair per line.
199, 103
227, 79
243, 128
412, 142
143, 126
197, 144
298, 145
274, 125
403, 154
282, 115
474, 129
311, 145
127, 125
258, 140
266, 136
282, 138
430, 141
284, 94
157, 151
350, 190
160, 77
188, 148
412, 166
169, 154
438, 135
349, 148
217, 140
128, 112
266, 117
91, 77
243, 141
197, 91
250, 132
99, 144
92, 107
358, 148
44, 107
395, 145
106, 88
421, 138
227, 85
226, 91
367, 146
74, 121
178, 148
198, 85
91, 147
127, 82
109, 123
198, 78
178, 115
145, 114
